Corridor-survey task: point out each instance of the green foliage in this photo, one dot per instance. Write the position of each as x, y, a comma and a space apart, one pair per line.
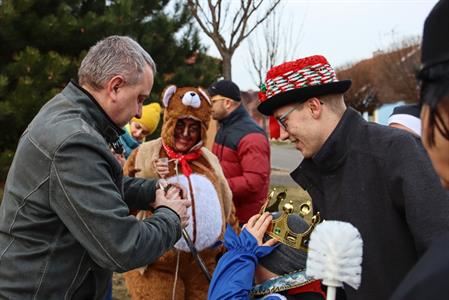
43, 42
5, 160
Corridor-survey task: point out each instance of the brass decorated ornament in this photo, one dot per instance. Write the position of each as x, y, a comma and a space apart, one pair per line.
279, 228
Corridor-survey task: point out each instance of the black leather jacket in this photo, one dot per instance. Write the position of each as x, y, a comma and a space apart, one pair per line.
64, 218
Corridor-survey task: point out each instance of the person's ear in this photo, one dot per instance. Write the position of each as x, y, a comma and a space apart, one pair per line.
227, 104
315, 107
114, 84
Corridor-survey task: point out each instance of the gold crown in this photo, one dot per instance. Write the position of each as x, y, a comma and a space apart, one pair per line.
279, 228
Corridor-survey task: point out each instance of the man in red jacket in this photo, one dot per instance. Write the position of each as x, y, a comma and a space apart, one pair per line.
242, 148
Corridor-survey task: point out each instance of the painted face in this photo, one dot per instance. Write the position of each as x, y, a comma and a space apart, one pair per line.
438, 152
129, 98
218, 111
138, 131
300, 128
187, 134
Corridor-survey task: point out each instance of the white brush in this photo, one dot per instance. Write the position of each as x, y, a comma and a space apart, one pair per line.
335, 255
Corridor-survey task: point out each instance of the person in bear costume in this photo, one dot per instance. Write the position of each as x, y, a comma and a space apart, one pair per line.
176, 274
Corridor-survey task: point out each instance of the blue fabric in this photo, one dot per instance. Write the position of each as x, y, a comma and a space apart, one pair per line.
234, 274
108, 295
129, 143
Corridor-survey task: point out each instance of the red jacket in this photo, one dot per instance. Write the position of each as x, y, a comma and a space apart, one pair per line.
244, 153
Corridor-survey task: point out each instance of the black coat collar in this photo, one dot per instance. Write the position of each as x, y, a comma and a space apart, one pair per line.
332, 154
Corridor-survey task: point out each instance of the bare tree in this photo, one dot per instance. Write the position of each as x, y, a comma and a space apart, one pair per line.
363, 94
388, 76
211, 17
277, 42
398, 68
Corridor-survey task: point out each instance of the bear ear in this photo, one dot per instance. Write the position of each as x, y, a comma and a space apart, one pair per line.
168, 92
204, 94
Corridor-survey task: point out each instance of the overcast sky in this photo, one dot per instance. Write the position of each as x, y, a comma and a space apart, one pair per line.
344, 31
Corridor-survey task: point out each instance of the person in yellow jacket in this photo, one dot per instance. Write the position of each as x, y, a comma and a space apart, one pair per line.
138, 129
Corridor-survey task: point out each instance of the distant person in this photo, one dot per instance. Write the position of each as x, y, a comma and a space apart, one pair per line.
139, 128
378, 179
406, 117
429, 278
64, 219
242, 148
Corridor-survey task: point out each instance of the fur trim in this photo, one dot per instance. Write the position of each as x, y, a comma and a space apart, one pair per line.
191, 99
204, 94
167, 93
226, 192
157, 281
208, 214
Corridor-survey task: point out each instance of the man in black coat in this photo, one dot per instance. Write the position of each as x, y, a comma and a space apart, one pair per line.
428, 279
377, 178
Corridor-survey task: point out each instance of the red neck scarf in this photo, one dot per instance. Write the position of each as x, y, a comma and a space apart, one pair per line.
183, 158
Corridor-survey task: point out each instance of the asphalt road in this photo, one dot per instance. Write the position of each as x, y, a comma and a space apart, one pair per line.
284, 159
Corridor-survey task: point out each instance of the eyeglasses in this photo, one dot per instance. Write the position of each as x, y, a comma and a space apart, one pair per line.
217, 99
283, 118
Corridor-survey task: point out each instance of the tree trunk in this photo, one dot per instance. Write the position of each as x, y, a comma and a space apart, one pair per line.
227, 67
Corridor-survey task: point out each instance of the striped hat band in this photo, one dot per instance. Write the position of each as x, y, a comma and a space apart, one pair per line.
317, 74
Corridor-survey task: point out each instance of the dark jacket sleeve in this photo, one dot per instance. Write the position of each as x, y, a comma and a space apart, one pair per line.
90, 204
254, 155
417, 191
428, 278
139, 193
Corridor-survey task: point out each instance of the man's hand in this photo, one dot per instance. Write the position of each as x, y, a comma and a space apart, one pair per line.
257, 226
173, 201
172, 190
181, 190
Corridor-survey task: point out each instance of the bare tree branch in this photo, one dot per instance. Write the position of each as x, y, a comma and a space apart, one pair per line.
256, 58
211, 21
244, 35
273, 44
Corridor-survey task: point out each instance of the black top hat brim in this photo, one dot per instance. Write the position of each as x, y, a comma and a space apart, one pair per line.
300, 95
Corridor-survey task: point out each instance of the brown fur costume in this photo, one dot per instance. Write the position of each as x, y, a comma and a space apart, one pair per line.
211, 207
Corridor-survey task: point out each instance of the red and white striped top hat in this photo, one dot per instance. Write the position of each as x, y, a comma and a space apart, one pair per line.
297, 81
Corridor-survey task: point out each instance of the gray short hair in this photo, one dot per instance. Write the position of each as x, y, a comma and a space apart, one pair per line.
114, 55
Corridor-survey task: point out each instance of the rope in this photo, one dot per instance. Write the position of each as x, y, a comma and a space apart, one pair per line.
173, 296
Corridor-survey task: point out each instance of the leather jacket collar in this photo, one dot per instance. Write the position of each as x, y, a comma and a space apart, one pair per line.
108, 129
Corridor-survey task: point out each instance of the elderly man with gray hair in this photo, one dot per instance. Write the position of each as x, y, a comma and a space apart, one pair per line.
64, 218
